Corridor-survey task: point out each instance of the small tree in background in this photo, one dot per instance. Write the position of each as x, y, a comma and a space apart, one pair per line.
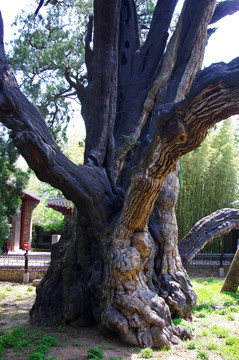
12, 181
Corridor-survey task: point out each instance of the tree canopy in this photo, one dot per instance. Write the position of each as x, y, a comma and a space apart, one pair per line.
49, 55
12, 182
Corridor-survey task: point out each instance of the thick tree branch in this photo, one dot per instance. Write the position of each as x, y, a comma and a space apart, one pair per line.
88, 51
191, 30
103, 86
195, 18
204, 231
167, 67
182, 128
128, 41
141, 71
152, 51
33, 139
213, 97
223, 9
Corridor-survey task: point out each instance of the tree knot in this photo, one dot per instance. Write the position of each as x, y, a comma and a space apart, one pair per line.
174, 130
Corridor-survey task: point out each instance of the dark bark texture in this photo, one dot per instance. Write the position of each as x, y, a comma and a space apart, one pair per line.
145, 105
221, 222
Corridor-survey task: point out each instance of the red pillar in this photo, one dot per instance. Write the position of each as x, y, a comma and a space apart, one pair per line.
22, 223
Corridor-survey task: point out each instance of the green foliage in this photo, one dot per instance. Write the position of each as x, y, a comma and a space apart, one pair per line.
208, 179
205, 333
60, 328
219, 331
231, 317
95, 353
10, 195
230, 349
48, 46
208, 293
202, 354
202, 315
232, 340
145, 10
55, 227
74, 149
13, 339
233, 309
146, 353
212, 345
18, 339
191, 345
9, 288
126, 138
184, 323
204, 307
209, 338
2, 349
50, 341
43, 215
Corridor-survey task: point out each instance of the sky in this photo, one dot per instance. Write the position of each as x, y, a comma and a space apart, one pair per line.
223, 45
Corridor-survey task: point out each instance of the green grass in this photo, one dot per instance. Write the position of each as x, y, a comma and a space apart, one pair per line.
212, 345
208, 293
9, 288
219, 331
231, 317
34, 346
219, 337
230, 349
191, 345
186, 324
215, 329
95, 353
202, 354
146, 353
20, 291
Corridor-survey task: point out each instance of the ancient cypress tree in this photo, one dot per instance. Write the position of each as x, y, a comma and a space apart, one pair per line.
144, 106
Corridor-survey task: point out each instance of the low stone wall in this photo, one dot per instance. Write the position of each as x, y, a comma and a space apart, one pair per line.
193, 271
206, 271
17, 275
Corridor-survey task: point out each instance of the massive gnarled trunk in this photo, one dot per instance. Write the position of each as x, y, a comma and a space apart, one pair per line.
117, 262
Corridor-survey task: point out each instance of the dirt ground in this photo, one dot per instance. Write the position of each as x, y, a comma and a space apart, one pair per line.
15, 303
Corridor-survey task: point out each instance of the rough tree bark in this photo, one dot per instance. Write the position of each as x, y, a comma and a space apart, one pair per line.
232, 279
117, 263
218, 223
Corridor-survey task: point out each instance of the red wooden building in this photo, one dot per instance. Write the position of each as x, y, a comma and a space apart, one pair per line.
62, 205
21, 224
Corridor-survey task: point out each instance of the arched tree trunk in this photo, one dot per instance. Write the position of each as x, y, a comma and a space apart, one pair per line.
117, 263
218, 223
